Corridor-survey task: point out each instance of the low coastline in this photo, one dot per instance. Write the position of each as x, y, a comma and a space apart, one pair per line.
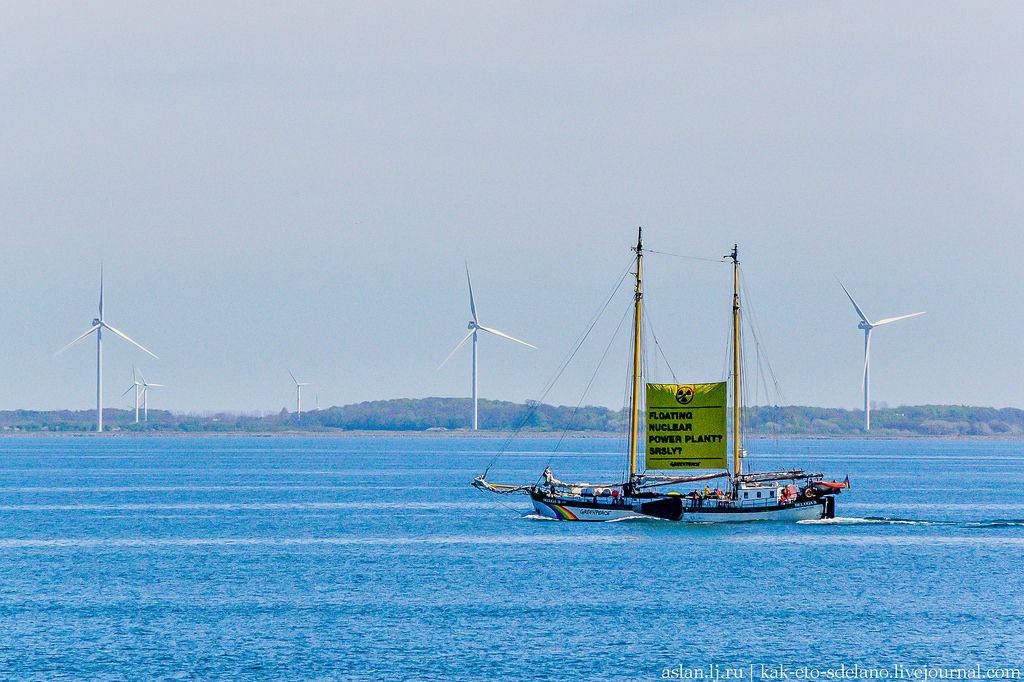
451, 417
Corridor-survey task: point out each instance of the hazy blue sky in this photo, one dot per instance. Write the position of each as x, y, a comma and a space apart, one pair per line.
298, 185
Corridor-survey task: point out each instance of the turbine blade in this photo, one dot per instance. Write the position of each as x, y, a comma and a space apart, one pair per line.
141, 375
151, 385
126, 338
855, 306
91, 330
901, 317
129, 389
461, 344
293, 377
472, 305
101, 290
511, 338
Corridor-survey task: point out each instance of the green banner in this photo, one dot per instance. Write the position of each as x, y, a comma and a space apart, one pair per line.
686, 426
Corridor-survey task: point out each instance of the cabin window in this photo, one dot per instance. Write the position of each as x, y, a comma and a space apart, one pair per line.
771, 493
746, 495
759, 493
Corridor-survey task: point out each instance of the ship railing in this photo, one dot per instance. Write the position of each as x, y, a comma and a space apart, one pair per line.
792, 475
714, 503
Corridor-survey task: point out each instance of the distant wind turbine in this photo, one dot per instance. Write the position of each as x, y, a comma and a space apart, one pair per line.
298, 393
98, 325
867, 325
474, 327
145, 396
136, 385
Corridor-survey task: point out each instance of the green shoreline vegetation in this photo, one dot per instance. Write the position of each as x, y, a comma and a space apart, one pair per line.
439, 415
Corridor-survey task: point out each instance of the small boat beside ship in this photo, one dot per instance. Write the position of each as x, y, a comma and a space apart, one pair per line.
683, 428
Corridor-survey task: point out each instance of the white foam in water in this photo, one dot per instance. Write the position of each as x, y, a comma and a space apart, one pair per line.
868, 520
996, 523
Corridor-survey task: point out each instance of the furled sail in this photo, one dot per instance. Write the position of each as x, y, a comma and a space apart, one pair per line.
686, 426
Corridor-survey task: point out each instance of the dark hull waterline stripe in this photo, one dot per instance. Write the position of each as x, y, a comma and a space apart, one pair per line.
574, 504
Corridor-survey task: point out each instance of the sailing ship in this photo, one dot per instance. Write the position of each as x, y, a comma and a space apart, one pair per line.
684, 428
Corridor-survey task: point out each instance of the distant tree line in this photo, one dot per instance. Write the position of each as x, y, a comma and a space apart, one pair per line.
443, 414
451, 414
903, 421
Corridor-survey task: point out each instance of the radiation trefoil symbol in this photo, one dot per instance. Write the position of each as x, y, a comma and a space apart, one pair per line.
684, 395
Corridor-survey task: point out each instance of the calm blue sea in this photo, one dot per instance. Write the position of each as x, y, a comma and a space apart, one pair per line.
352, 558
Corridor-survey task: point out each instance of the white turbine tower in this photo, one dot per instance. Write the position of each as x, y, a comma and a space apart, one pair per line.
145, 395
298, 393
867, 325
474, 327
98, 325
136, 385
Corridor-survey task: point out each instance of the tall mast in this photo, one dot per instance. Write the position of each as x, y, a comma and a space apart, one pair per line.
735, 359
634, 417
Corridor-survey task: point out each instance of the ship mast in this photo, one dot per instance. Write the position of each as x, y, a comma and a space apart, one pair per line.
735, 359
634, 416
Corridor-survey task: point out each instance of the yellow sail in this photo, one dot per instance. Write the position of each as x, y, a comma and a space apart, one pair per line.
686, 426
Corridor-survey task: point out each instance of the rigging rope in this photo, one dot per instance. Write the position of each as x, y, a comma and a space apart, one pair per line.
755, 329
517, 512
590, 383
763, 370
678, 255
661, 352
742, 387
561, 369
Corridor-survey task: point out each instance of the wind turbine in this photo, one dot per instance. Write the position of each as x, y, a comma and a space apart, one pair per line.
867, 325
474, 327
136, 385
98, 325
298, 393
145, 396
